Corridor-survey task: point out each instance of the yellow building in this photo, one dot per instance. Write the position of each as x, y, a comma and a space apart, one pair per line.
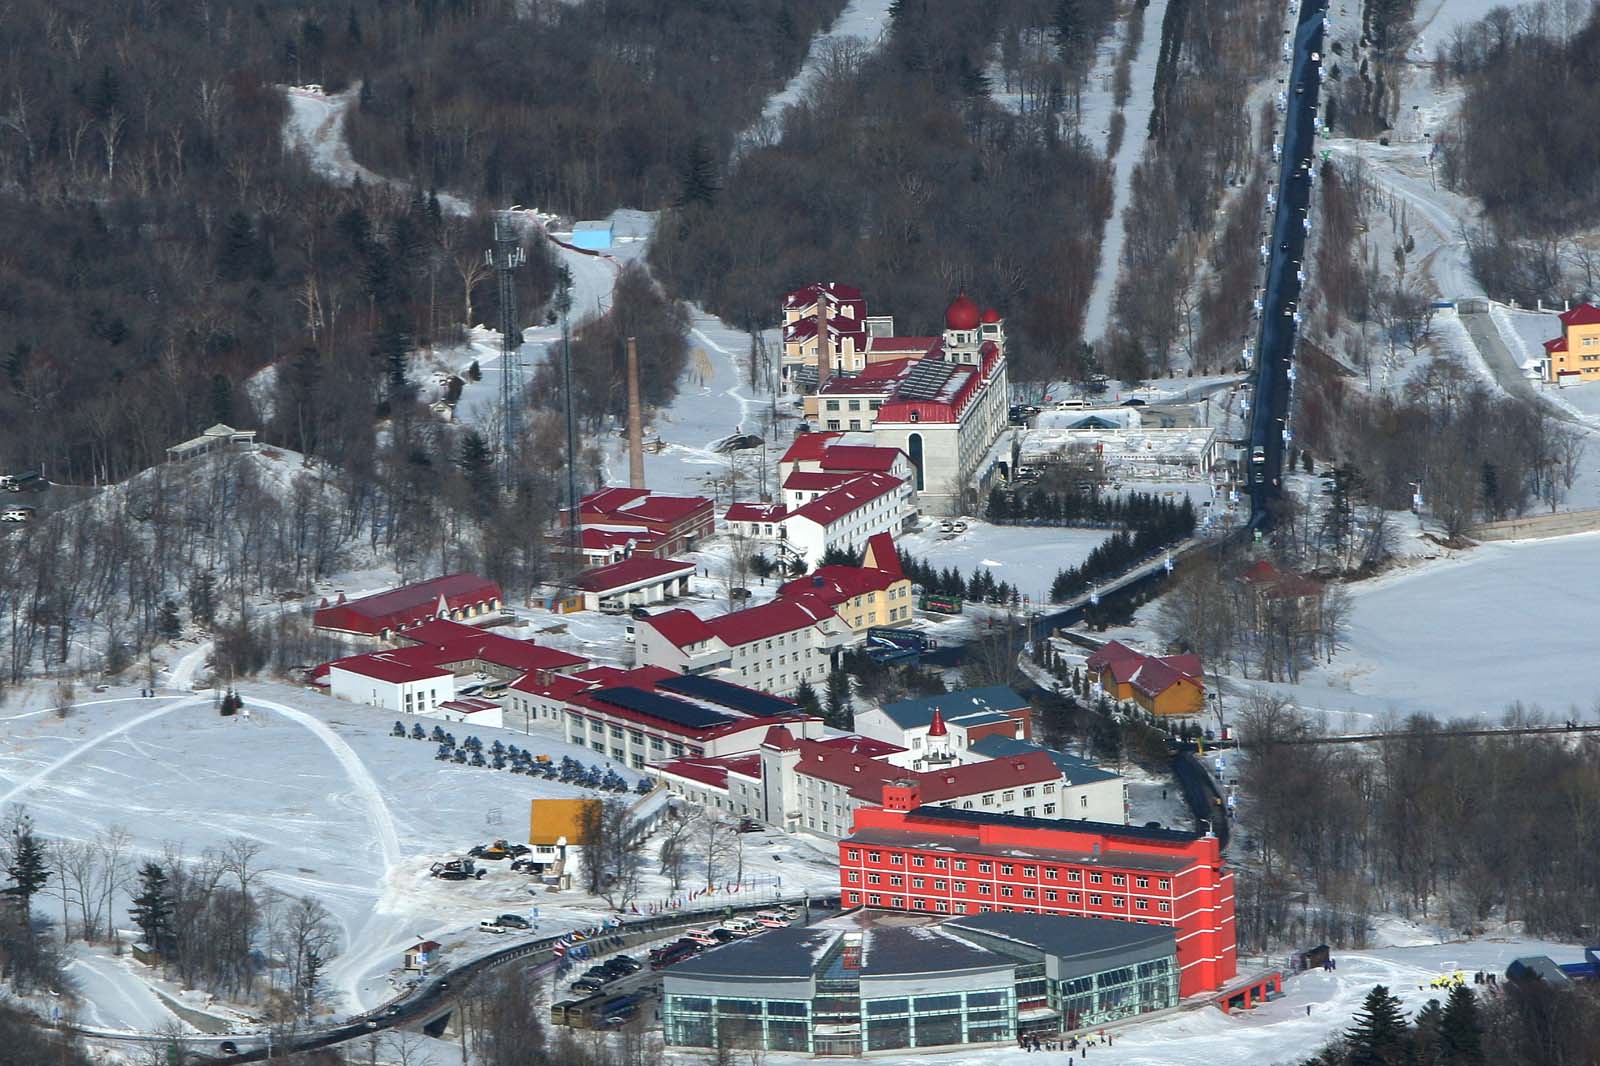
876, 593
1574, 357
557, 823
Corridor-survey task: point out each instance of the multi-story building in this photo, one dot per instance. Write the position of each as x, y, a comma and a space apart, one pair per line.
843, 318
651, 715
868, 983
876, 593
818, 789
774, 647
968, 715
944, 861
1574, 357
845, 518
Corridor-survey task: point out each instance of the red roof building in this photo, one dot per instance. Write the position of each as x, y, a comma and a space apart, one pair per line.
953, 861
773, 647
677, 523
1165, 685
651, 715
634, 582
459, 597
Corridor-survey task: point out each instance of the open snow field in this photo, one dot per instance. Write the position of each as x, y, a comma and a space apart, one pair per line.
1464, 637
1026, 556
342, 812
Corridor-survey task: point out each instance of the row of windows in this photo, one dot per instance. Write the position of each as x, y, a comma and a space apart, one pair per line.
1007, 869
875, 899
1007, 891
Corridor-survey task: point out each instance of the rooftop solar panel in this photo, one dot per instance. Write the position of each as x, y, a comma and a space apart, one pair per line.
679, 712
759, 704
926, 379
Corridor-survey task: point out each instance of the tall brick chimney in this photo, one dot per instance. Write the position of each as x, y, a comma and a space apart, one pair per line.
635, 420
824, 349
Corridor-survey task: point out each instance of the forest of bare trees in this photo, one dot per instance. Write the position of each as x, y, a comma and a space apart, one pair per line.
1201, 143
900, 174
1453, 830
574, 108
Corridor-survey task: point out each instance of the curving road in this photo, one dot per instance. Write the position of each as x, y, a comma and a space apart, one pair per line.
1286, 251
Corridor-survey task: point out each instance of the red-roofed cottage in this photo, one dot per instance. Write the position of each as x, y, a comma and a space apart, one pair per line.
459, 597
1168, 685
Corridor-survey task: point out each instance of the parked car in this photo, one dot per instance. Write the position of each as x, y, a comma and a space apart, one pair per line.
587, 984
702, 937
490, 925
724, 936
514, 921
228, 1047
632, 964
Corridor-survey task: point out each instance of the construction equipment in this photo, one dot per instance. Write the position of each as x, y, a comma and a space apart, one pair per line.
456, 870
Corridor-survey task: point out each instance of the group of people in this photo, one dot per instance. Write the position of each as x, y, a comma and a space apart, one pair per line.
1073, 1045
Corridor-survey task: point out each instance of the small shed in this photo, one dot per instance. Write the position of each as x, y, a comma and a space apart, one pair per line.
418, 956
218, 436
595, 236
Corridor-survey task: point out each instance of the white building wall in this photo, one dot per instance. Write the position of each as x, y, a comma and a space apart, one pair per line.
484, 719
391, 696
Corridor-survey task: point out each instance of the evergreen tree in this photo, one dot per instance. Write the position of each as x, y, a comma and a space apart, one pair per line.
203, 598
1069, 29
837, 713
806, 697
237, 256
27, 868
1379, 1034
168, 625
152, 908
221, 399
477, 467
1460, 1029
698, 181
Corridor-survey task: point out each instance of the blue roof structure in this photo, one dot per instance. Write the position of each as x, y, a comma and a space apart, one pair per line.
739, 698
992, 699
1076, 771
679, 712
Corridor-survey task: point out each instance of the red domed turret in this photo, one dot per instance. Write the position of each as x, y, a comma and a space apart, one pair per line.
990, 316
936, 727
962, 313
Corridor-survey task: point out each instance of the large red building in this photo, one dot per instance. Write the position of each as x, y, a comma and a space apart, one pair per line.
454, 597
948, 861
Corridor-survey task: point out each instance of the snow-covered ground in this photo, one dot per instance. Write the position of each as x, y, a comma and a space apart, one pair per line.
863, 24
1136, 116
1464, 637
343, 812
1026, 556
316, 126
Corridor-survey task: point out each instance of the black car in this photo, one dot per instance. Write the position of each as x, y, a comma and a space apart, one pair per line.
629, 959
586, 984
724, 935
228, 1047
598, 973
513, 921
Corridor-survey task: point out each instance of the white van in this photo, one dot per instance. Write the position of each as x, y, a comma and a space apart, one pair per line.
742, 926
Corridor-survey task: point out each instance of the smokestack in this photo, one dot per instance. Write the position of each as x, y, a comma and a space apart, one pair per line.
635, 420
824, 350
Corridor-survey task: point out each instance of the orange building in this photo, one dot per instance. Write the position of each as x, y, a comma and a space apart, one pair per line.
1169, 686
1574, 357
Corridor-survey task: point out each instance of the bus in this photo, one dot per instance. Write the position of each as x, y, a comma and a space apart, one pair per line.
940, 604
